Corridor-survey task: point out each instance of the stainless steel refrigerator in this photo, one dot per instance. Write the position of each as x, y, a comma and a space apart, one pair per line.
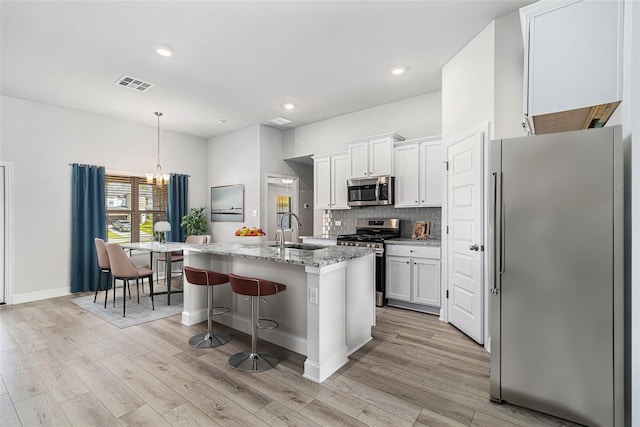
556, 299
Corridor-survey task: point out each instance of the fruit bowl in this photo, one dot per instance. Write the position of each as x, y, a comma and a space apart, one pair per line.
250, 240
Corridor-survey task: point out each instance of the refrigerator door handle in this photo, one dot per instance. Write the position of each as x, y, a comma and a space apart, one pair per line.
503, 266
497, 234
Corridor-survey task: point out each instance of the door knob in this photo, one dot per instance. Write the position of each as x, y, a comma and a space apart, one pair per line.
474, 247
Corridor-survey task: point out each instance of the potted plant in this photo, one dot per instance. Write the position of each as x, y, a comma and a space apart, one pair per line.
195, 222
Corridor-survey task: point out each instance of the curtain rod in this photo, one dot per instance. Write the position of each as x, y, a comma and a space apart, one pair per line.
119, 172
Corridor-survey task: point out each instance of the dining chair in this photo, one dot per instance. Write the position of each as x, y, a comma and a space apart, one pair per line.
105, 268
122, 268
178, 256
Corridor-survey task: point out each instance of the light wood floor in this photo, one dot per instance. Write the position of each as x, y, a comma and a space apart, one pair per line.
60, 365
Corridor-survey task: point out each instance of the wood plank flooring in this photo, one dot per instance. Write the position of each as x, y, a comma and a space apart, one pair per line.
62, 366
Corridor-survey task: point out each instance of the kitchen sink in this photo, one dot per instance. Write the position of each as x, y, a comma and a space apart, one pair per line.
301, 246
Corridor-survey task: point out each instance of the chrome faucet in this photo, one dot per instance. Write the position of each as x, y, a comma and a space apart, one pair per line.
282, 215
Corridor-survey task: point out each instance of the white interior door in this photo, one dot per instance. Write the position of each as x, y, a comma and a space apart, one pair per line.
465, 237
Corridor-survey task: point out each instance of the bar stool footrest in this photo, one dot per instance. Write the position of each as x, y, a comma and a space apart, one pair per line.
270, 324
209, 339
247, 361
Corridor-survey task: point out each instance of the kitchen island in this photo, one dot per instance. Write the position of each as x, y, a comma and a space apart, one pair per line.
325, 314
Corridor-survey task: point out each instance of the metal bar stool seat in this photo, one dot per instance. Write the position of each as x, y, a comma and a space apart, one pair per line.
208, 278
254, 361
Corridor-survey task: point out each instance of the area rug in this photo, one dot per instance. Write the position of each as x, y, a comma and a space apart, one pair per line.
136, 314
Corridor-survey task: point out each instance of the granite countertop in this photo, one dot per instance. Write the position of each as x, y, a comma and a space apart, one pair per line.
410, 241
317, 258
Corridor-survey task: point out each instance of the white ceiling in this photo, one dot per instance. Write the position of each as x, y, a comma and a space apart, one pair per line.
234, 60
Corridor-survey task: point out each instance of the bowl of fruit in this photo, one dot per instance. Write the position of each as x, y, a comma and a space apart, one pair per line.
253, 235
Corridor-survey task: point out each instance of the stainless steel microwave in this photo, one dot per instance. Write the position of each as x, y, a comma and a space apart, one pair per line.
370, 191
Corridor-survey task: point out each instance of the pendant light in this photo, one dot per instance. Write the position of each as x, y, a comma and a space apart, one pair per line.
158, 177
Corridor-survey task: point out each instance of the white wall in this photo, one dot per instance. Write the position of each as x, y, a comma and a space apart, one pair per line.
245, 157
468, 86
234, 158
509, 76
41, 141
411, 118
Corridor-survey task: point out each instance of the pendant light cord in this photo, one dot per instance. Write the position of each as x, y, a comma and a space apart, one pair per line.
158, 167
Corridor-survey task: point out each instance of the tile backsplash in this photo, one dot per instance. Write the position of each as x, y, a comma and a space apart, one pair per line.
408, 216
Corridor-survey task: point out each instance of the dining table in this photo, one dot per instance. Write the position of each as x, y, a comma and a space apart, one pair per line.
167, 249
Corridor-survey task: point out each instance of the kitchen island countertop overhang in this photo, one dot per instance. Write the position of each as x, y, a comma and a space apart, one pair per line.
325, 314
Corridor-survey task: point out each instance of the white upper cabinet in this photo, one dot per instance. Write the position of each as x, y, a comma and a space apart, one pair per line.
339, 181
407, 167
322, 182
330, 181
373, 156
572, 63
431, 166
418, 166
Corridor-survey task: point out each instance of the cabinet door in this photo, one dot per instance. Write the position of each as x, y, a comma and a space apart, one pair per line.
358, 159
339, 166
567, 70
431, 174
406, 165
398, 285
322, 182
380, 157
426, 281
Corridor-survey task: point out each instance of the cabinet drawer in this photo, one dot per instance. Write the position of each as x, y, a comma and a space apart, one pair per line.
414, 251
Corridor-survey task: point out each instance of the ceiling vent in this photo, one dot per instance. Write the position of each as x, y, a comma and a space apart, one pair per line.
280, 121
133, 83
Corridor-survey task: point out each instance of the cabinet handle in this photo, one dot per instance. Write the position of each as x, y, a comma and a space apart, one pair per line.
408, 262
423, 201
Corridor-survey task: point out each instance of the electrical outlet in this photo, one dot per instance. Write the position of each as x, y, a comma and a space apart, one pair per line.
255, 212
313, 295
338, 223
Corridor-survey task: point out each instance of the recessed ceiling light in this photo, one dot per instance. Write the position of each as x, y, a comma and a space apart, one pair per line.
164, 51
289, 105
396, 71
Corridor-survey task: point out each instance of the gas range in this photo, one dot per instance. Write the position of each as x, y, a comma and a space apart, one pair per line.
371, 233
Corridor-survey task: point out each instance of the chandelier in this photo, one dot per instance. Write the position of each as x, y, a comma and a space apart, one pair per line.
158, 177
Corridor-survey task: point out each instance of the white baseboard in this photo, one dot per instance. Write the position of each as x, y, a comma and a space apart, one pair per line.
39, 295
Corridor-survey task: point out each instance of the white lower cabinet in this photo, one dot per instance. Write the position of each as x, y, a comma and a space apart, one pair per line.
413, 277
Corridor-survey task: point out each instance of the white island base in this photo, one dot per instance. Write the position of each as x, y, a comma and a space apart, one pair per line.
326, 313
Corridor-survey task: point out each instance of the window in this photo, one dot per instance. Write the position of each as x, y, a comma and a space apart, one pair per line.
133, 206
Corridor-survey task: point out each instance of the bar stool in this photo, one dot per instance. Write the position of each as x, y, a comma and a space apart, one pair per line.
254, 361
208, 278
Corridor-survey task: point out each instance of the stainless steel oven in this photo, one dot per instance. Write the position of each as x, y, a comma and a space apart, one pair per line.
371, 233
370, 191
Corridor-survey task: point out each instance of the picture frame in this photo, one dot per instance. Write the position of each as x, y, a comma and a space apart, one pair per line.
421, 230
227, 203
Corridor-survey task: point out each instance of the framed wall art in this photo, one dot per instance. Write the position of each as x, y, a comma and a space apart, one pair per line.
227, 203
